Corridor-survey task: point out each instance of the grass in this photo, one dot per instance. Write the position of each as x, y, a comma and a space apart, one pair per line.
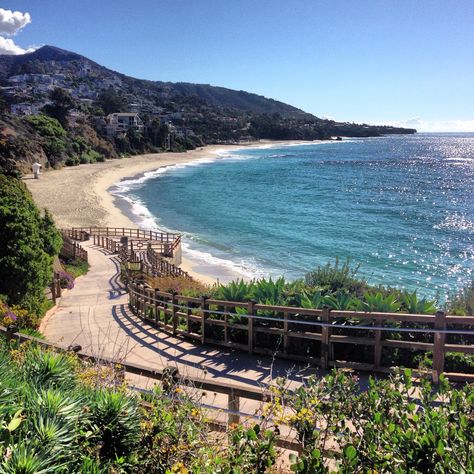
76, 268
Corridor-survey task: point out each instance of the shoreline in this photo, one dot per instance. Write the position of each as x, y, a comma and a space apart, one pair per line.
80, 195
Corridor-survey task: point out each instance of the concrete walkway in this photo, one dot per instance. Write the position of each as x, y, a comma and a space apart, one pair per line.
95, 315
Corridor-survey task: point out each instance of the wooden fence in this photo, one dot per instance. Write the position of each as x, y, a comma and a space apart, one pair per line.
72, 250
147, 248
328, 338
146, 254
79, 233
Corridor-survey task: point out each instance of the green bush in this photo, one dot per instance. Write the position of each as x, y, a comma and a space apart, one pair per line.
75, 268
72, 161
336, 277
391, 426
117, 421
462, 304
28, 243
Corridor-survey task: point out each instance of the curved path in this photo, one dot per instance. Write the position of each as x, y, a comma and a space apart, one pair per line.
95, 315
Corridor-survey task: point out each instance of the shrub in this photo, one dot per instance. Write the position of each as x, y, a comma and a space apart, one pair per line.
72, 161
336, 277
47, 369
117, 422
28, 242
75, 268
462, 304
66, 280
180, 285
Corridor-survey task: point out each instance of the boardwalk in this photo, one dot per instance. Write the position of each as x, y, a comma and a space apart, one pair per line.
95, 315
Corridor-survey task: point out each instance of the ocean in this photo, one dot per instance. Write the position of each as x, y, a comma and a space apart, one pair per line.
400, 206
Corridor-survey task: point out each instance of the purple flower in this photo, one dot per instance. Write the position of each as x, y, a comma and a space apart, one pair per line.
11, 315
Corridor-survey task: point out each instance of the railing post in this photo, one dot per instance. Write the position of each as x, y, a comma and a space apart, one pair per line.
377, 344
142, 301
325, 336
174, 315
285, 333
53, 289
250, 321
58, 285
204, 307
438, 346
155, 304
233, 405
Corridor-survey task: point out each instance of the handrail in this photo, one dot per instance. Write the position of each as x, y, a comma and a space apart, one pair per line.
153, 265
200, 318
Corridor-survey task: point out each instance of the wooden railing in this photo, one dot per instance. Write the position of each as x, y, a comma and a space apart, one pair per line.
72, 250
156, 265
163, 237
328, 338
149, 254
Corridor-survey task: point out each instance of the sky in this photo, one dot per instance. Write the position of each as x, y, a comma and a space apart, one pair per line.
403, 62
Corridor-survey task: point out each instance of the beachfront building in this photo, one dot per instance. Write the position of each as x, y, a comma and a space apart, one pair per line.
121, 122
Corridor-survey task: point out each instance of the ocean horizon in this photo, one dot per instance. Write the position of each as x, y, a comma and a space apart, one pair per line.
398, 206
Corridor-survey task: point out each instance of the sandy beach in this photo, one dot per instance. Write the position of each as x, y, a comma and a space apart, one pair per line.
78, 196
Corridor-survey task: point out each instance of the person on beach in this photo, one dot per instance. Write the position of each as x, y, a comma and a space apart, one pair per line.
36, 167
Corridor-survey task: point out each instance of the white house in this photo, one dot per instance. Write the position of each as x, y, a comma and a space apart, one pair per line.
24, 108
121, 122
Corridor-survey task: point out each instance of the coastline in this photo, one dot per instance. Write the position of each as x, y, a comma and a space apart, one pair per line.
80, 195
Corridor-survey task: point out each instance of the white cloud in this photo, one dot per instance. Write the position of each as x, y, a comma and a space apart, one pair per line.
7, 46
435, 125
10, 24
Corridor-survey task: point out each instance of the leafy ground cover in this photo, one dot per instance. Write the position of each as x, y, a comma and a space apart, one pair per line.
60, 415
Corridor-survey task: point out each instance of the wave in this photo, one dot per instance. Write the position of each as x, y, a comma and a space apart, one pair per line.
224, 268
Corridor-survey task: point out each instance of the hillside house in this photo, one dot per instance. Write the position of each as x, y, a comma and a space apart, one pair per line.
25, 108
122, 122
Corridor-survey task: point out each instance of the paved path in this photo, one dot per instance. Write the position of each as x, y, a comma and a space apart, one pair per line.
95, 315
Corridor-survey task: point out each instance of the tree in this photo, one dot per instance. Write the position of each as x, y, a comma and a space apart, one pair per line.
62, 103
157, 132
110, 101
8, 153
28, 243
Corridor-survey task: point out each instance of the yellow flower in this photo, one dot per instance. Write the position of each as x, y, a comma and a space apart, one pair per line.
180, 468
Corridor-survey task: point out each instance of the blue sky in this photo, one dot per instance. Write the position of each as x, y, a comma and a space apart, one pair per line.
377, 61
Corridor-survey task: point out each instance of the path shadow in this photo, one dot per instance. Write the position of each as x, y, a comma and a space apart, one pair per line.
218, 362
117, 289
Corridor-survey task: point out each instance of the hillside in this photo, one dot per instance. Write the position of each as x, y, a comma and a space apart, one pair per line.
174, 116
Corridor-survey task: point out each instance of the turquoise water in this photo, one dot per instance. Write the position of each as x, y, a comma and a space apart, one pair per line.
402, 207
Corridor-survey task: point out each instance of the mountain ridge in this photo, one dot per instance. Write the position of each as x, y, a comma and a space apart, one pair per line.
172, 116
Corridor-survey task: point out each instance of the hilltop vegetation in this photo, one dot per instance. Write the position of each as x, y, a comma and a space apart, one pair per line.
80, 93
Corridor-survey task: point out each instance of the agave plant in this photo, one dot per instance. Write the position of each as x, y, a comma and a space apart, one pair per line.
56, 404
271, 292
238, 290
415, 305
116, 419
377, 302
48, 369
340, 301
28, 458
314, 301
